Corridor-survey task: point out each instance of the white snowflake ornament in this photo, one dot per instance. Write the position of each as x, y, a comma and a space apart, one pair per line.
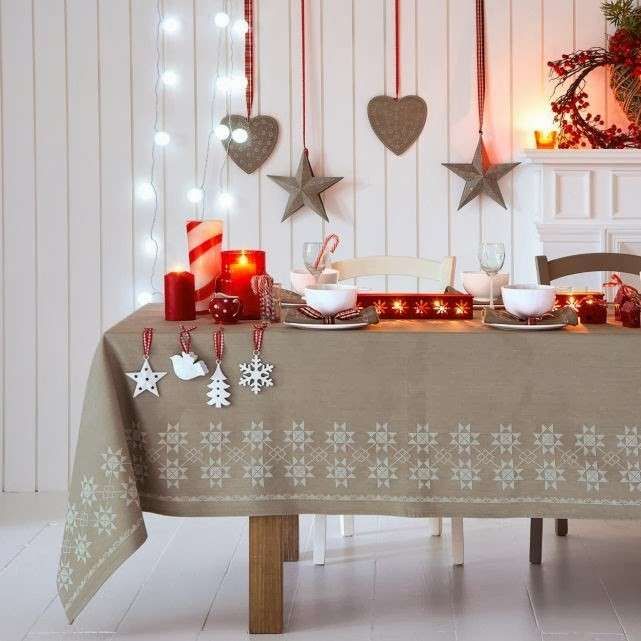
256, 374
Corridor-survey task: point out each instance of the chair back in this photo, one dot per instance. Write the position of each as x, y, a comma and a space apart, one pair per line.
438, 270
549, 270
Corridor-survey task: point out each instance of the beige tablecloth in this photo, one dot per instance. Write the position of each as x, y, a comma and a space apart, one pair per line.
415, 418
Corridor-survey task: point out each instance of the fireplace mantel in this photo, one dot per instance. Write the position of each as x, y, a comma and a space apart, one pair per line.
585, 201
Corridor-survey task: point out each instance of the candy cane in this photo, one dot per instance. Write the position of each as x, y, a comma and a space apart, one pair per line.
205, 241
330, 244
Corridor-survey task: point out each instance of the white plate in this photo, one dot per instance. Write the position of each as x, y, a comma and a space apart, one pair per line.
532, 328
323, 326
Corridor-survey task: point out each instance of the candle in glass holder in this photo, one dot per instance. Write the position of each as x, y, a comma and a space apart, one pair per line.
180, 298
545, 139
238, 266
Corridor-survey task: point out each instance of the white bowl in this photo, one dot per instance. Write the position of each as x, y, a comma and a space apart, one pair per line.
478, 284
528, 300
301, 278
330, 299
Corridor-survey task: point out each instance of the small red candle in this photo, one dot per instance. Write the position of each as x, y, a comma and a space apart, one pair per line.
180, 298
238, 267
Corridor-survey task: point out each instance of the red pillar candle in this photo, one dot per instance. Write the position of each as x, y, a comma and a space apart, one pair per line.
238, 267
180, 297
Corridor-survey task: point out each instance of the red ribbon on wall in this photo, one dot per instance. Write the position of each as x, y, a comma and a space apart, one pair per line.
480, 59
249, 56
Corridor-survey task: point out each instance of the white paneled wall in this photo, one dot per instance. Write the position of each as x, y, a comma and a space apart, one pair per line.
77, 109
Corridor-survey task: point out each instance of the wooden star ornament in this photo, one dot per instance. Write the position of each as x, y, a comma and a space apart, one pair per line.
480, 176
305, 189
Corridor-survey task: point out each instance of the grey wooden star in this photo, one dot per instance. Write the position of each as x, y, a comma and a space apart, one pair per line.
305, 189
480, 176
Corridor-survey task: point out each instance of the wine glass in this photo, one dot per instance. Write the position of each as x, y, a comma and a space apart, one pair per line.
310, 255
491, 259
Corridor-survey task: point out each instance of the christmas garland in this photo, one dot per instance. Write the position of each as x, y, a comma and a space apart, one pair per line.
578, 127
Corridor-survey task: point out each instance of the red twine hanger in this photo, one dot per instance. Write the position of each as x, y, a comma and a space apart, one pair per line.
219, 344
249, 56
258, 334
184, 338
303, 74
480, 60
147, 337
397, 47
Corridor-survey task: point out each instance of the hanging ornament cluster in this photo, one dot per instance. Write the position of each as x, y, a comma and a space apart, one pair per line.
397, 122
146, 379
249, 141
304, 188
481, 177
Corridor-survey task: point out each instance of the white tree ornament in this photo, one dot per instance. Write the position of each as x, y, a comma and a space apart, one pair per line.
218, 387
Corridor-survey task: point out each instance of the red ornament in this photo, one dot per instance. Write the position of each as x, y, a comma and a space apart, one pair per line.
224, 308
180, 298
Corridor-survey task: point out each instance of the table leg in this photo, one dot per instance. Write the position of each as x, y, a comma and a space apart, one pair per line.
265, 574
536, 541
290, 537
561, 527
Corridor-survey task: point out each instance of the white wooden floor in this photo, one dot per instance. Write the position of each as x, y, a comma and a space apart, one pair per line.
390, 582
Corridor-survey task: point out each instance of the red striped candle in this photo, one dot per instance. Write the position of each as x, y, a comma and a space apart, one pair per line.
204, 241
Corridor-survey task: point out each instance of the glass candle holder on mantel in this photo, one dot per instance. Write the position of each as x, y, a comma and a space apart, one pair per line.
545, 138
238, 266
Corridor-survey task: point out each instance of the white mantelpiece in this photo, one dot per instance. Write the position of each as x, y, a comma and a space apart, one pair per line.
587, 201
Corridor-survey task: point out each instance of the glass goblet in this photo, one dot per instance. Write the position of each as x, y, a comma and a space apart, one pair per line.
491, 259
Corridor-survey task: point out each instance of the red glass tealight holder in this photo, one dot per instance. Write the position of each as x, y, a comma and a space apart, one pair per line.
630, 315
180, 298
590, 307
237, 269
419, 306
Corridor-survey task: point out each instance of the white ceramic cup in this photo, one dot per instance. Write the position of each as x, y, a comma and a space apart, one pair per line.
330, 299
478, 284
525, 301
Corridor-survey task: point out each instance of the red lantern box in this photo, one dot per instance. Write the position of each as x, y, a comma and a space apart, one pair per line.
590, 306
419, 306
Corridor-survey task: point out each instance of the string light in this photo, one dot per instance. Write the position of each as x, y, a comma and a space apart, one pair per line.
146, 191
241, 27
225, 200
144, 298
150, 246
239, 135
170, 25
221, 131
169, 78
221, 20
224, 84
239, 83
162, 138
195, 195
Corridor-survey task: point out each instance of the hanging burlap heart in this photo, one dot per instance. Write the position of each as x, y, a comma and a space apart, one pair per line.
397, 122
263, 136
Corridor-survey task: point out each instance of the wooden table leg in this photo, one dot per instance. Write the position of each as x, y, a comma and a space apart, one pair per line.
561, 527
536, 541
290, 537
265, 574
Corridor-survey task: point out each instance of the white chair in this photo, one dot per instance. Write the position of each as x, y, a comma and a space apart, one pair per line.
442, 272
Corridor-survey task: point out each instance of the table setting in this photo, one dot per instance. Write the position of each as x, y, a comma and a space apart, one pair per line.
229, 409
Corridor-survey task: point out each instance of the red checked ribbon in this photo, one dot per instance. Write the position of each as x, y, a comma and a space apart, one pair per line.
249, 56
329, 319
303, 73
397, 47
147, 337
219, 343
184, 338
480, 59
258, 334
